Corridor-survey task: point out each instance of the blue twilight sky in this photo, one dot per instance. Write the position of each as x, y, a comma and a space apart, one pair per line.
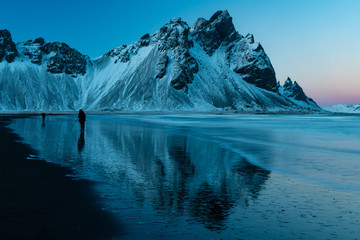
315, 42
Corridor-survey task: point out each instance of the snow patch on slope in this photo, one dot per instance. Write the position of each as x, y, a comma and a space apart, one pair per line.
32, 87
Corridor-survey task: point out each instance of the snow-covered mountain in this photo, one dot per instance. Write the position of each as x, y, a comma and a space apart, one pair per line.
204, 67
296, 94
343, 108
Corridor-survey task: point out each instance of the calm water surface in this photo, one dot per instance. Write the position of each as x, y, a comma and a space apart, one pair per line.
230, 176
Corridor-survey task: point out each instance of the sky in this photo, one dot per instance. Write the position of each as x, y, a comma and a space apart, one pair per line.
314, 42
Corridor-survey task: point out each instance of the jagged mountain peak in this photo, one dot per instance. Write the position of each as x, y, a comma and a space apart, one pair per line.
58, 57
288, 83
215, 31
176, 21
65, 59
250, 38
220, 16
294, 92
294, 88
5, 34
173, 42
175, 25
7, 46
37, 41
174, 33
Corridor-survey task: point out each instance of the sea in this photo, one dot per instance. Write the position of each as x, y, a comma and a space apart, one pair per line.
212, 175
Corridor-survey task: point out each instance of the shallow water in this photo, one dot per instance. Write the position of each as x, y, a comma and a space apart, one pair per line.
229, 176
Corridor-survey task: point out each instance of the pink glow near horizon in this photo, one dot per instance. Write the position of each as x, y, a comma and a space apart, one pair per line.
328, 92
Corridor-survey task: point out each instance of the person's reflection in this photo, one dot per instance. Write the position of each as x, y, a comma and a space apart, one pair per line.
81, 142
43, 119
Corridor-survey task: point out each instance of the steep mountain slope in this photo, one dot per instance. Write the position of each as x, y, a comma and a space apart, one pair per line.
24, 86
204, 67
35, 75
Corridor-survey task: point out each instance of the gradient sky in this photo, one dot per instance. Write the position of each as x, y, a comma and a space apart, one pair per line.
315, 42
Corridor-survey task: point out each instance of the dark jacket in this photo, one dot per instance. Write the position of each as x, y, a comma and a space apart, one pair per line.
81, 116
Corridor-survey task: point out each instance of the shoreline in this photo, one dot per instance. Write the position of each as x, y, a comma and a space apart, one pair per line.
16, 114
38, 200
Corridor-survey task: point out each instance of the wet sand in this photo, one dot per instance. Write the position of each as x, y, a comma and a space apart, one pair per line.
38, 200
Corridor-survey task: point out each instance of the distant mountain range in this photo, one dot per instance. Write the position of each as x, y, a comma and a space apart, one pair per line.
208, 66
344, 108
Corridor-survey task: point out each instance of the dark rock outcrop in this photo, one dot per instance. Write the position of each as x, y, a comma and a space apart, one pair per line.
294, 91
32, 49
173, 35
213, 32
120, 53
58, 57
123, 53
7, 47
161, 66
64, 59
173, 40
244, 56
260, 77
144, 41
249, 60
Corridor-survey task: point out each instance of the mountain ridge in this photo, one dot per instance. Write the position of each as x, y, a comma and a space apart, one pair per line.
206, 66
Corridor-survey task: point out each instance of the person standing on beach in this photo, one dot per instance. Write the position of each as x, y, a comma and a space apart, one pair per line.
82, 118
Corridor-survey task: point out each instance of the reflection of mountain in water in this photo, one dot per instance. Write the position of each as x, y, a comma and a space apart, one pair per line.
211, 207
177, 174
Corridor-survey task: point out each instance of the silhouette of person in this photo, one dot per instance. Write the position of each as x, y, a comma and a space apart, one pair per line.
82, 118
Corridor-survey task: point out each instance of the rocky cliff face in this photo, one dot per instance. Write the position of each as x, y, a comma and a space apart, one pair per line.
243, 55
7, 47
172, 41
249, 60
204, 67
32, 50
176, 38
294, 92
56, 56
218, 30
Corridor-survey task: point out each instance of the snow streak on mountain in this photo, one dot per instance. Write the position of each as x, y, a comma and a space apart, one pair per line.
204, 67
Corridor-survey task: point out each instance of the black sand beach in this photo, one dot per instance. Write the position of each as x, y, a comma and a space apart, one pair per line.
38, 200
